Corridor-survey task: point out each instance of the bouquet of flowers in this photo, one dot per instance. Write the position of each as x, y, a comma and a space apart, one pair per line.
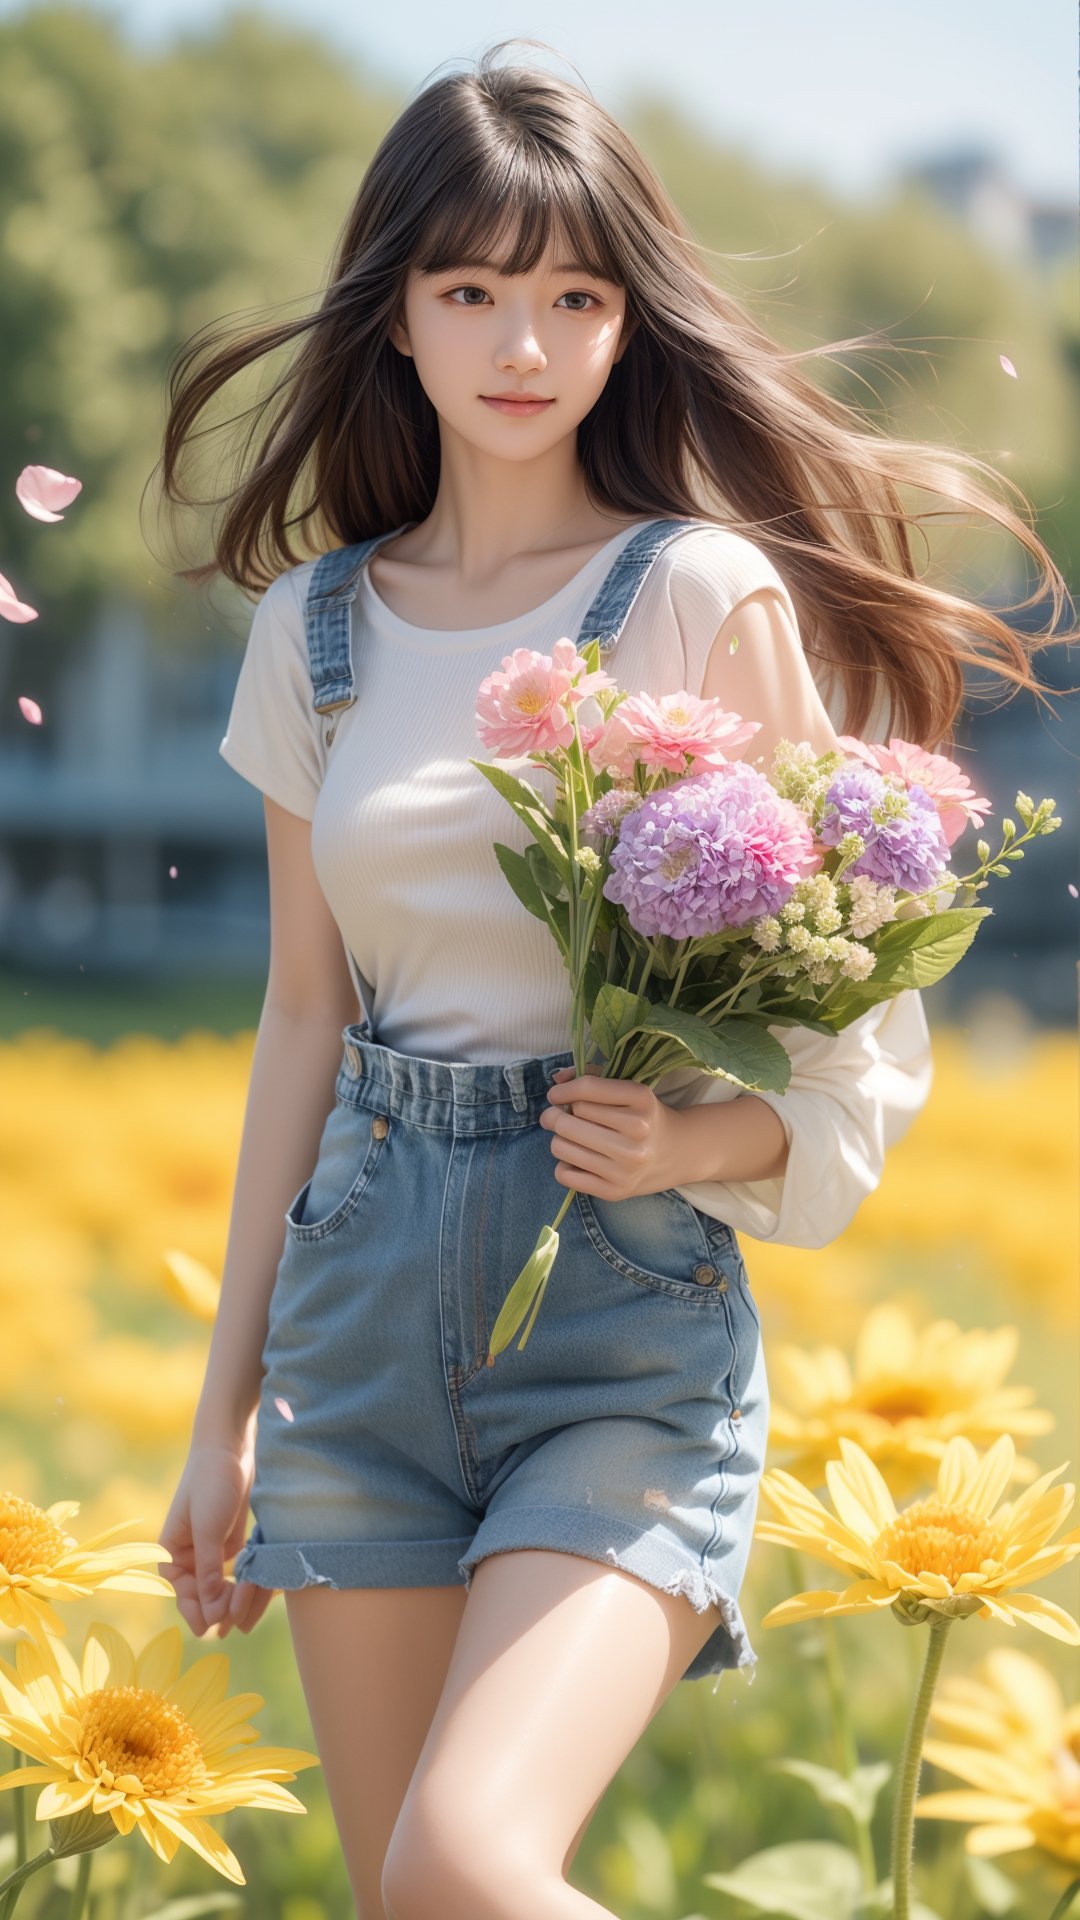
698, 900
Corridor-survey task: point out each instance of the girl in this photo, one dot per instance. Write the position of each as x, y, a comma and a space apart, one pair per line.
521, 410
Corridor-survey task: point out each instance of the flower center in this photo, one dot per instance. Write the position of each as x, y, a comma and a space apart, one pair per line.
132, 1735
29, 1541
905, 1401
930, 1538
530, 701
677, 858
678, 716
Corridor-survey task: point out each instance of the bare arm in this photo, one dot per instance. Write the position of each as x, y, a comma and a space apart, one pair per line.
309, 998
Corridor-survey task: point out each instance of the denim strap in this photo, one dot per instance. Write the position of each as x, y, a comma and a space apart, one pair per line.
332, 589
605, 617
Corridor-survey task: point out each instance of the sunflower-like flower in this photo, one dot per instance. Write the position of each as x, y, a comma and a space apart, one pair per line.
906, 1391
128, 1738
1019, 1747
954, 1553
40, 1562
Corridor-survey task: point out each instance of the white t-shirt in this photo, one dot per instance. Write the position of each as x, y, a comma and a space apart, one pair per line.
403, 829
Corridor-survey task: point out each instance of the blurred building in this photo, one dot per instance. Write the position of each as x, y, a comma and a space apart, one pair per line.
974, 186
128, 847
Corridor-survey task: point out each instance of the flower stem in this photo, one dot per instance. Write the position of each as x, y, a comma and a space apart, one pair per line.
82, 1887
11, 1888
1066, 1901
910, 1764
22, 1846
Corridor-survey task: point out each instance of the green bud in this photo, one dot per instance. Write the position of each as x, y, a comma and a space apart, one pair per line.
1008, 828
999, 869
982, 848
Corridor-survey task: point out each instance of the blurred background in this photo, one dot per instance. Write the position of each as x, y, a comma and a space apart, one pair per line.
164, 163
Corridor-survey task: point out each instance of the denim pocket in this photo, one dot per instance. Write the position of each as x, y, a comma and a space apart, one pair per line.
352, 1144
657, 1240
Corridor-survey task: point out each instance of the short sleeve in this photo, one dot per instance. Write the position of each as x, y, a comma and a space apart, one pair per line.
273, 737
769, 677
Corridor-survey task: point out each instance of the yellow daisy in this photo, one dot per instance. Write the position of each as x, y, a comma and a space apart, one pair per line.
902, 1397
129, 1738
1019, 1747
41, 1562
954, 1553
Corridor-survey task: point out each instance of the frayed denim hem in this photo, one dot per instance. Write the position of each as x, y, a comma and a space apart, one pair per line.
575, 1530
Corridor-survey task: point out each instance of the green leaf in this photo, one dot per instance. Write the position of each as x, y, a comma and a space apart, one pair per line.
530, 809
517, 871
543, 872
804, 1880
527, 1291
993, 1890
910, 953
615, 1013
739, 1050
857, 1793
881, 1905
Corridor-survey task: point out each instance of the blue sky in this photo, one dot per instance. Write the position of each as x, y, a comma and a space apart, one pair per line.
841, 90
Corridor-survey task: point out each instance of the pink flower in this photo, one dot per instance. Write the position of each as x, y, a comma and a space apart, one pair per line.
41, 490
660, 733
947, 784
528, 706
11, 607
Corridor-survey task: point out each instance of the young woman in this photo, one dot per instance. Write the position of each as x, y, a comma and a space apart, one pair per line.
521, 410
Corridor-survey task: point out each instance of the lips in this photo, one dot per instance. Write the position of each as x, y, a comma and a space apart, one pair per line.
505, 404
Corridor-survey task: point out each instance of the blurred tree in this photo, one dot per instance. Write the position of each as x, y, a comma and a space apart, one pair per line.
143, 195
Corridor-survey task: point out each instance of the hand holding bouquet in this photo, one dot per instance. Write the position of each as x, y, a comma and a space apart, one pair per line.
699, 900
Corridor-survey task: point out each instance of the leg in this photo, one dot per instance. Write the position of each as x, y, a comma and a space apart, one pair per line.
372, 1662
559, 1665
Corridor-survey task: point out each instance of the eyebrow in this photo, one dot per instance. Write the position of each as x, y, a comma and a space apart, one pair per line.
564, 266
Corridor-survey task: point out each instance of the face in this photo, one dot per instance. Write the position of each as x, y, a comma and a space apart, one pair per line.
476, 334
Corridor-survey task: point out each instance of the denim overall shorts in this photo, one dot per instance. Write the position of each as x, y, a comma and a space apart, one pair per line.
632, 1427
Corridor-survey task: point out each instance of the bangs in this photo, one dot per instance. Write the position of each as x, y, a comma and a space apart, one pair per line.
505, 219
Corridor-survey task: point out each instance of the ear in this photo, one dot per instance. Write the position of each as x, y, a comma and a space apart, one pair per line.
398, 337
630, 327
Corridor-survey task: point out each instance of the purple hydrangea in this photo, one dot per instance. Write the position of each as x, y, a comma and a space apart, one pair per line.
603, 818
711, 851
909, 851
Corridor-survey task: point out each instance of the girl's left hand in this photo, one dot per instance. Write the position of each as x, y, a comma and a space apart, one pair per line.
616, 1141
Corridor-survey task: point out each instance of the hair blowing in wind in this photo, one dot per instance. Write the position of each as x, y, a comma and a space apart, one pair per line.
704, 414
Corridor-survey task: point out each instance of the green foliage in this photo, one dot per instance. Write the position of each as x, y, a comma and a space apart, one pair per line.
145, 194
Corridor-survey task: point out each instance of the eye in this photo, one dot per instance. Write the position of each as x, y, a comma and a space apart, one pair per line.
577, 294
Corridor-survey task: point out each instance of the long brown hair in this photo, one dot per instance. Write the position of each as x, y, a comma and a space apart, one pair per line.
704, 415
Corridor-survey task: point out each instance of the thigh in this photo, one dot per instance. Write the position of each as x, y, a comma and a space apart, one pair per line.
560, 1663
372, 1664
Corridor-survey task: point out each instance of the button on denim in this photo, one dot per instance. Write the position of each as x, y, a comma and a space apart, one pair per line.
631, 1429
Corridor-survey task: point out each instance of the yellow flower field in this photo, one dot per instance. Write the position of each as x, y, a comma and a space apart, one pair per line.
948, 1308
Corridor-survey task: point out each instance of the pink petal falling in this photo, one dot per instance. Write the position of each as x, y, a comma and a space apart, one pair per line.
29, 709
43, 491
11, 607
1007, 366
